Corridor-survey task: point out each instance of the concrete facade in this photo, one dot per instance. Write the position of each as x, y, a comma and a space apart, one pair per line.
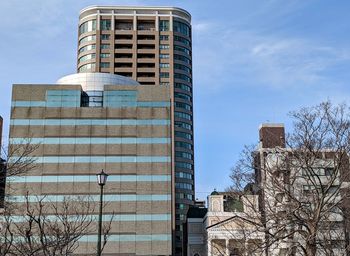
126, 132
224, 228
152, 45
314, 175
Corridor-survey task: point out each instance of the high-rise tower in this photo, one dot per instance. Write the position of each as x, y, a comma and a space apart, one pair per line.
152, 45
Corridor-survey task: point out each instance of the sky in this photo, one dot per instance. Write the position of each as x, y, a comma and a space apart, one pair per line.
253, 62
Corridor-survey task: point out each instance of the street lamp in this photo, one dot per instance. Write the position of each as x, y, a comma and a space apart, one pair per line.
101, 181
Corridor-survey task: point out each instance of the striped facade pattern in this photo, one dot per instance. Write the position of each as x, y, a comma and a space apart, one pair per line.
131, 142
152, 45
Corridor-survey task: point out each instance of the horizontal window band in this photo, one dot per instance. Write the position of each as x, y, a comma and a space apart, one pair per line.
87, 178
105, 217
76, 104
28, 103
89, 140
97, 122
128, 238
93, 159
120, 238
63, 93
95, 198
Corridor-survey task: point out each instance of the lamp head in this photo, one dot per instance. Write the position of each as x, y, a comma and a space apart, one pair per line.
102, 178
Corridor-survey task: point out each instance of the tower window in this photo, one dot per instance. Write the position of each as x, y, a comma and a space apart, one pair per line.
164, 25
92, 99
104, 64
164, 37
105, 37
105, 25
164, 74
87, 26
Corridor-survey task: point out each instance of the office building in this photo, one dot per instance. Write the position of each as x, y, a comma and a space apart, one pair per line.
153, 46
92, 121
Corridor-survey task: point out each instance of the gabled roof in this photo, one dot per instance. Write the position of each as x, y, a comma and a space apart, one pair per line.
229, 219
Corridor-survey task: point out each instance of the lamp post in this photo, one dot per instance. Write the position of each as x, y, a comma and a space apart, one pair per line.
101, 181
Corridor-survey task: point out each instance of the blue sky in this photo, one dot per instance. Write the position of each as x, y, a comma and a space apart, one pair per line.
254, 61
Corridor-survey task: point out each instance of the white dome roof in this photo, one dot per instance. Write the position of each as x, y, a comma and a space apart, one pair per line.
96, 81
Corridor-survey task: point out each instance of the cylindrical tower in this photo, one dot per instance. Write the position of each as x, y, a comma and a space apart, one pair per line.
153, 46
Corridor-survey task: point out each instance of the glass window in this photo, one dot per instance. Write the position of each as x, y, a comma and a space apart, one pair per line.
182, 115
183, 77
178, 227
104, 46
87, 39
182, 49
164, 75
164, 46
104, 64
183, 155
164, 25
92, 99
87, 26
183, 186
181, 144
182, 58
105, 37
183, 87
63, 98
183, 135
182, 67
164, 65
182, 40
182, 28
164, 56
164, 37
183, 165
105, 24
87, 48
87, 57
87, 67
120, 98
104, 55
183, 175
183, 125
183, 105
182, 96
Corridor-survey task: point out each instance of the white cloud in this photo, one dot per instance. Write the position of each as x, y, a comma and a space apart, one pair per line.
253, 58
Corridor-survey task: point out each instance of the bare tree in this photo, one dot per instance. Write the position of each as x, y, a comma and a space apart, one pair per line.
49, 229
41, 227
302, 183
18, 161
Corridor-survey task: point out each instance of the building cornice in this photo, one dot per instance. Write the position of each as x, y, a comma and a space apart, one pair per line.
96, 8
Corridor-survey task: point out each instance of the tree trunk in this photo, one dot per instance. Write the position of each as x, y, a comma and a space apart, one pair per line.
311, 247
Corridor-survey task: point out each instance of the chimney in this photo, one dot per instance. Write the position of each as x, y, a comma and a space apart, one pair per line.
272, 135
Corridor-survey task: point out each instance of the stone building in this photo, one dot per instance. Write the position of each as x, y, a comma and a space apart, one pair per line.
223, 228
93, 121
